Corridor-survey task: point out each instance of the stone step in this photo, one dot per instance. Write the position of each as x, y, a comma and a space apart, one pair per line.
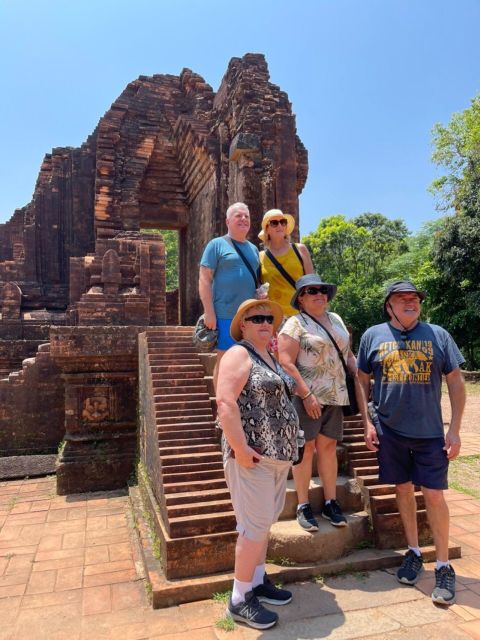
384, 504
185, 422
381, 489
188, 497
349, 496
180, 397
193, 386
187, 441
177, 370
289, 542
204, 485
389, 533
209, 456
362, 455
202, 524
170, 451
355, 446
366, 471
198, 374
179, 405
194, 476
360, 462
191, 467
205, 429
196, 508
173, 361
182, 413
353, 437
170, 348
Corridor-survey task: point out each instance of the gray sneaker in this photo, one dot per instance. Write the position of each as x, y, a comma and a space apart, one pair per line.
252, 612
444, 592
306, 519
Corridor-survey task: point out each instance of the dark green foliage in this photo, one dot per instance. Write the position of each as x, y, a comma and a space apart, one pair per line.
171, 262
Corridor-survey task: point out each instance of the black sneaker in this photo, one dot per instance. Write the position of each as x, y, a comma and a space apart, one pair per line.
269, 593
305, 518
252, 612
444, 592
412, 565
333, 512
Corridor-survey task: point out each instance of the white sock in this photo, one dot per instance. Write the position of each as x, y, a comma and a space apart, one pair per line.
302, 504
441, 564
416, 551
327, 502
258, 575
239, 590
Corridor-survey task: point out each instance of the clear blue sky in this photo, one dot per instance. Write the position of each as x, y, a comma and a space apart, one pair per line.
367, 80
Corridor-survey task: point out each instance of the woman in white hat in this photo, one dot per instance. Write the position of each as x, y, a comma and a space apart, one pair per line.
260, 429
282, 262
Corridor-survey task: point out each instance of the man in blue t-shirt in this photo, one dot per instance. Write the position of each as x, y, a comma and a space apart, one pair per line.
407, 359
225, 280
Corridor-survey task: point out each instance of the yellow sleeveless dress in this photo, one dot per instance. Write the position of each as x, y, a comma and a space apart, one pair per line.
280, 290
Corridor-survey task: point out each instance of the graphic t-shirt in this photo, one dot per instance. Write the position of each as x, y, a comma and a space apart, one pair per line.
232, 281
318, 361
407, 375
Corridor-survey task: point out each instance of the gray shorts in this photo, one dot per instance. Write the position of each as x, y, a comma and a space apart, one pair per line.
330, 423
258, 495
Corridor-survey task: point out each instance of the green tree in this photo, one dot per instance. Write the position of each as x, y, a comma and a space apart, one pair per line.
355, 255
170, 239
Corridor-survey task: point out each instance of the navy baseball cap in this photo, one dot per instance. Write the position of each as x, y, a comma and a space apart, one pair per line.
402, 286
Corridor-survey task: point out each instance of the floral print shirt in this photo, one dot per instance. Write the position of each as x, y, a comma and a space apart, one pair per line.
318, 361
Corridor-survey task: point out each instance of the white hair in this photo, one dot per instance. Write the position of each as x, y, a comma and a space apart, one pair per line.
236, 206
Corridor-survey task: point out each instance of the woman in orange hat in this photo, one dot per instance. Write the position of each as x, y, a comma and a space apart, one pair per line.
282, 262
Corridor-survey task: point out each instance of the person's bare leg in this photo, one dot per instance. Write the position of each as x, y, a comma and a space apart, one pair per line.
408, 511
215, 370
248, 554
302, 473
438, 519
327, 465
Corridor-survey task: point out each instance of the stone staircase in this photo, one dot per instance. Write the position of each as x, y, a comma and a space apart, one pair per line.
379, 498
195, 522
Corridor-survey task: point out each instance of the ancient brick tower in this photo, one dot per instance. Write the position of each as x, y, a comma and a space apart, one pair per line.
169, 154
79, 281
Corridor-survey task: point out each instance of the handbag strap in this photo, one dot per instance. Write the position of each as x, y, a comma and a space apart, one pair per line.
245, 261
257, 355
280, 268
331, 338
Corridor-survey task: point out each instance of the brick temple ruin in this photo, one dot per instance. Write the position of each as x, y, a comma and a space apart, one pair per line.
94, 353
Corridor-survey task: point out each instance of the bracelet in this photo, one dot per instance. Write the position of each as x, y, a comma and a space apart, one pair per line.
307, 396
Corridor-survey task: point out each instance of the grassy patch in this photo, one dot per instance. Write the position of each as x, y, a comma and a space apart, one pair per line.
463, 475
225, 623
471, 388
222, 596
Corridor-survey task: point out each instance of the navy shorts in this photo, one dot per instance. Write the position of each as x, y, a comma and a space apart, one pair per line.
422, 461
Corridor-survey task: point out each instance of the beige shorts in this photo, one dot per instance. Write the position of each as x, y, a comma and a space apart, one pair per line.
258, 495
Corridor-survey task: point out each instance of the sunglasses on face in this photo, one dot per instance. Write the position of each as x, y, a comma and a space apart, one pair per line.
313, 291
275, 223
260, 319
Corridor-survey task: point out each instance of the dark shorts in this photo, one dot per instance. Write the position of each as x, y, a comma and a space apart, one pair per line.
330, 423
421, 461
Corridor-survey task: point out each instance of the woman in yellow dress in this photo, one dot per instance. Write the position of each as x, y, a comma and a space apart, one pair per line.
282, 262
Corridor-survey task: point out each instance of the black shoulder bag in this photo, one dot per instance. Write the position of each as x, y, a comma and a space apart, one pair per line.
280, 268
351, 409
246, 262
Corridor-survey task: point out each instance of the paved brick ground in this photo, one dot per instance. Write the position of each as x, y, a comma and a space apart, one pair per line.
68, 571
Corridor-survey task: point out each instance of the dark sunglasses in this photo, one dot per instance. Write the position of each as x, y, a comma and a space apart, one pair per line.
260, 319
275, 223
313, 291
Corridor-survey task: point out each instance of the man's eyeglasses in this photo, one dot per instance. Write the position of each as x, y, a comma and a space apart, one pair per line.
260, 319
313, 291
275, 223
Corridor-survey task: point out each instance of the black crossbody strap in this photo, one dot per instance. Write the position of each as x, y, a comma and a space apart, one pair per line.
245, 261
297, 253
331, 338
252, 351
277, 264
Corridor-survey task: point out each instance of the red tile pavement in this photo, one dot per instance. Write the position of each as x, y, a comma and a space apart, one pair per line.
67, 570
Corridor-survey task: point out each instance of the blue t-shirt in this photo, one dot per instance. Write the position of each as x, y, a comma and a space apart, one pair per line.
408, 375
232, 281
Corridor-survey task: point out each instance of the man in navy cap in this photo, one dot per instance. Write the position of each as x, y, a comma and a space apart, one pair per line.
407, 359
